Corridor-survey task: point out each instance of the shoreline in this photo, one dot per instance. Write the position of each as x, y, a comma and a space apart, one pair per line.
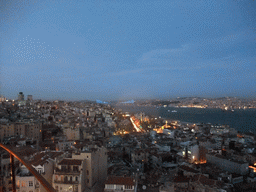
244, 121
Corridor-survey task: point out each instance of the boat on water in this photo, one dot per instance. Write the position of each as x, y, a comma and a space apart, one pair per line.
228, 110
174, 111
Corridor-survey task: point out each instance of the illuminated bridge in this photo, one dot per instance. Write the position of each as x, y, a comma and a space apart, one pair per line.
40, 178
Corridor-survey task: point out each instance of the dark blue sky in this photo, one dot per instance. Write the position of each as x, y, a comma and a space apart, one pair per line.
128, 49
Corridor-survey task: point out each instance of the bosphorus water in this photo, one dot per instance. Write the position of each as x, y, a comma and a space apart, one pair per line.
241, 120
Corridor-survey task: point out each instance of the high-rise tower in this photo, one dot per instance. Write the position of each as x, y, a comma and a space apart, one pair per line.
20, 96
29, 97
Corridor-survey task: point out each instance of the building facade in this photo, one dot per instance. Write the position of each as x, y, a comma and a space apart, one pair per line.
69, 176
230, 165
125, 184
29, 130
95, 166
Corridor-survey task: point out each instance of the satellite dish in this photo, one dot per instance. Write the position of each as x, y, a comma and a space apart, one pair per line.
144, 187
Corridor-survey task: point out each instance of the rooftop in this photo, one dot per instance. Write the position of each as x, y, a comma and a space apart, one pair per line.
120, 180
70, 162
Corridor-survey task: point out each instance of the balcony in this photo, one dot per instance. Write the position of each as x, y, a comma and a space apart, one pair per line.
66, 182
66, 171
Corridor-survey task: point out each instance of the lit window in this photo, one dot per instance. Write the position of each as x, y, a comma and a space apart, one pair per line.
23, 184
18, 183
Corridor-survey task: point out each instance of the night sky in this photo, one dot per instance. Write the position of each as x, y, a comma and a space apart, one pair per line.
128, 49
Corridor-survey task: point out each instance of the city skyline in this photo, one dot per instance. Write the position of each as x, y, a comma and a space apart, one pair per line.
128, 49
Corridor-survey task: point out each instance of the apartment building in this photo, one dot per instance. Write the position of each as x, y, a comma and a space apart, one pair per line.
125, 184
72, 133
69, 176
30, 130
228, 164
95, 165
43, 163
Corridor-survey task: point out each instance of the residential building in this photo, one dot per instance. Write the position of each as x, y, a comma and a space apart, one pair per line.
228, 164
43, 163
95, 166
69, 176
30, 130
191, 152
29, 97
125, 184
20, 96
72, 133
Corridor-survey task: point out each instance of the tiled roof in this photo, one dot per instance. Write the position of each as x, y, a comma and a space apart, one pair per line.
180, 179
205, 181
119, 180
189, 169
41, 158
24, 151
70, 162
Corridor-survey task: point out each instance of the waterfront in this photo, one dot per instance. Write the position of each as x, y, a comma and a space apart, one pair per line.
241, 120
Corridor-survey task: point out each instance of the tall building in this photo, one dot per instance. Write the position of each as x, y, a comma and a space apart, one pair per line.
29, 97
95, 165
69, 175
82, 171
30, 130
20, 96
191, 152
2, 98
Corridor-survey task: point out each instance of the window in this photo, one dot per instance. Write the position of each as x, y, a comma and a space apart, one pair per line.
128, 187
30, 183
18, 183
109, 186
63, 167
23, 184
75, 168
70, 179
76, 178
87, 171
88, 181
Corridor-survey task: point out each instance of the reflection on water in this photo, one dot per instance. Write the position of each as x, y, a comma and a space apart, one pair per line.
242, 120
